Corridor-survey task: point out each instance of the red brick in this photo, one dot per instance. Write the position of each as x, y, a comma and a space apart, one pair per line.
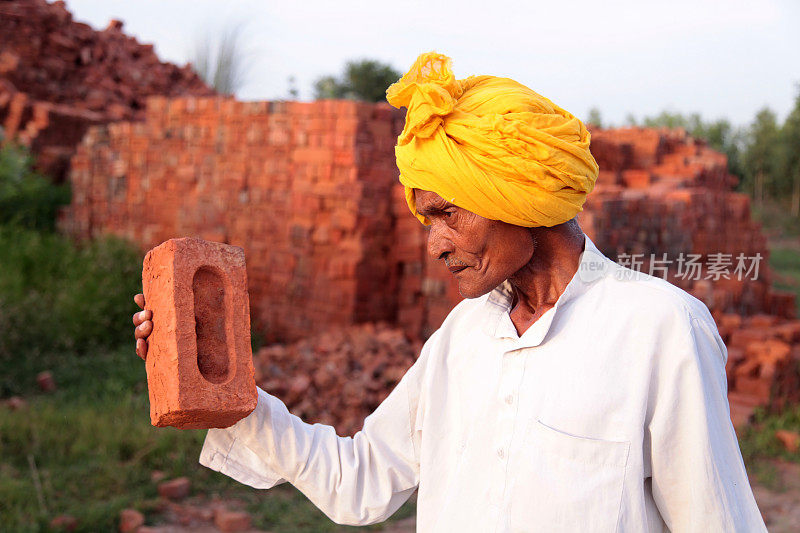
789, 439
130, 520
742, 408
64, 522
761, 321
46, 381
16, 403
199, 364
637, 179
788, 331
175, 489
755, 387
232, 521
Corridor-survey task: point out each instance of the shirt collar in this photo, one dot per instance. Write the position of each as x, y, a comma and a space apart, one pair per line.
593, 265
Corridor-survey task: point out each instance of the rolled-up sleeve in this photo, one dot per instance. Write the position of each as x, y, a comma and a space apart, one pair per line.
699, 481
357, 481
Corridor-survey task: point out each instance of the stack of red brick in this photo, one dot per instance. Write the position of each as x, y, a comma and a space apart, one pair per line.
58, 77
763, 362
663, 192
304, 188
338, 377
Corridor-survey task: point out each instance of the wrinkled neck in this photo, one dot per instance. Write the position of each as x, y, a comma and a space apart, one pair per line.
537, 286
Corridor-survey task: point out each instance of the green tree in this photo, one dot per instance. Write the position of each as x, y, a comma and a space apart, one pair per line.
761, 154
723, 136
294, 93
329, 88
365, 80
595, 118
667, 119
790, 152
716, 133
630, 120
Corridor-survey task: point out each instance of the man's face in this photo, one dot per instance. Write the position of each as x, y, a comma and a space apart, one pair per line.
481, 253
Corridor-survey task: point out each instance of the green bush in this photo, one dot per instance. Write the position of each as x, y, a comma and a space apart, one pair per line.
56, 296
26, 198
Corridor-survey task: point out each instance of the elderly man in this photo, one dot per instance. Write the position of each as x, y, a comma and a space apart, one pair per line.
565, 393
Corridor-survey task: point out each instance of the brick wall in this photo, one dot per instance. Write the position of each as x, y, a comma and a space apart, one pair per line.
303, 187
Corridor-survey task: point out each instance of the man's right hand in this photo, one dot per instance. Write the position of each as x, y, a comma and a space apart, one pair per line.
143, 323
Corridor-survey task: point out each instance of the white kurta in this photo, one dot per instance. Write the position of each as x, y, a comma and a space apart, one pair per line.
608, 414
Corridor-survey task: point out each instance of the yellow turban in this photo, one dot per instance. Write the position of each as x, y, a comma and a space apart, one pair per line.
491, 146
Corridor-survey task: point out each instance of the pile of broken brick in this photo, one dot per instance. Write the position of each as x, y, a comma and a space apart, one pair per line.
763, 363
58, 77
337, 377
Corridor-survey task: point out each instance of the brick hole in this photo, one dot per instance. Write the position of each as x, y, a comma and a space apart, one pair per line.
209, 315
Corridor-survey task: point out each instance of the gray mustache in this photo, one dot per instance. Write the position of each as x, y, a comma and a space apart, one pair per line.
453, 262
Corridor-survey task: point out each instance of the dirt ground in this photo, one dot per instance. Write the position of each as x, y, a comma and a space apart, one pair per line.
779, 501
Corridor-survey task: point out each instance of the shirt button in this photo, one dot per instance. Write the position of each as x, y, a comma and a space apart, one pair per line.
509, 399
501, 453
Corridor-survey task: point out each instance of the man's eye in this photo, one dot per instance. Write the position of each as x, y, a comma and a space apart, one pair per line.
448, 214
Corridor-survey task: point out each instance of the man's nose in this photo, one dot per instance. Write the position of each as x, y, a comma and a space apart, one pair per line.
438, 243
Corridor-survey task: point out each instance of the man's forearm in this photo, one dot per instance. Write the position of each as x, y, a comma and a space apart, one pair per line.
356, 481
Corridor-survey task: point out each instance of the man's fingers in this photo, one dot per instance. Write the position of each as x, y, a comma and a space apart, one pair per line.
143, 330
144, 326
141, 348
141, 316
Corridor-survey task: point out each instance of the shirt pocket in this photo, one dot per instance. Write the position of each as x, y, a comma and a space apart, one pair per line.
567, 483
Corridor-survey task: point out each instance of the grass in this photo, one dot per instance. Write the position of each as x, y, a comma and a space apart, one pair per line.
758, 442
760, 446
785, 264
783, 233
777, 220
93, 449
60, 298
782, 230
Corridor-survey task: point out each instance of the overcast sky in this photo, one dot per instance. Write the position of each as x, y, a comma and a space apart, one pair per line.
724, 58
